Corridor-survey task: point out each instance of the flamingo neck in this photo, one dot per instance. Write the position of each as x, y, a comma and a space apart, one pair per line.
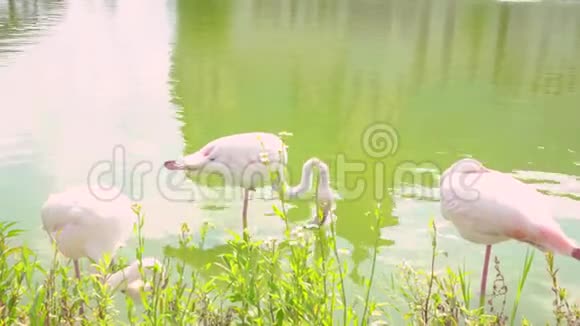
324, 194
125, 276
323, 176
293, 192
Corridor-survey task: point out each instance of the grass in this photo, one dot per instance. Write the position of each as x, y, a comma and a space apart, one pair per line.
527, 266
297, 280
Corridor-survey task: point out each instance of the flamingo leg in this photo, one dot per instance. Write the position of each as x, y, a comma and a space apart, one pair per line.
484, 275
245, 213
77, 268
78, 275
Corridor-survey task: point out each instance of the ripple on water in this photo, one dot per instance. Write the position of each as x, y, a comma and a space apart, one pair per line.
16, 149
21, 22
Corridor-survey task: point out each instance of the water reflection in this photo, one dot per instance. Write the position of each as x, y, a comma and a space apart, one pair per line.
23, 20
488, 79
498, 81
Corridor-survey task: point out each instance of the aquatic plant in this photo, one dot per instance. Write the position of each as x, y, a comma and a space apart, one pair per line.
296, 280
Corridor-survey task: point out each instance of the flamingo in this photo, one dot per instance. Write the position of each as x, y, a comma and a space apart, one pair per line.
488, 207
129, 281
246, 160
83, 224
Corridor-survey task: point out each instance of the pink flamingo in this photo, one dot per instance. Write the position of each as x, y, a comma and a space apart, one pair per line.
489, 207
248, 160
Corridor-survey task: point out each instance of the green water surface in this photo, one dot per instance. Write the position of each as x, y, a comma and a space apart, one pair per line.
497, 81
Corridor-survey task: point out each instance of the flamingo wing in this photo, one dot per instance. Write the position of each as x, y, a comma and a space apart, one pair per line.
491, 207
488, 207
87, 224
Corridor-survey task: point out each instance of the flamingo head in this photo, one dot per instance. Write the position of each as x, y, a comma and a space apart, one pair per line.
129, 281
465, 167
469, 165
193, 161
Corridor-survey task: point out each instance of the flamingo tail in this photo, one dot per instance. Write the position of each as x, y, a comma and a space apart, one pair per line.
557, 241
548, 238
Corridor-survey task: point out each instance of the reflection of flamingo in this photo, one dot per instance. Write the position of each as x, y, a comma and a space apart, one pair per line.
84, 225
488, 207
247, 160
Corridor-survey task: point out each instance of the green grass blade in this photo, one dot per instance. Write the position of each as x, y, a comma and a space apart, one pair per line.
527, 266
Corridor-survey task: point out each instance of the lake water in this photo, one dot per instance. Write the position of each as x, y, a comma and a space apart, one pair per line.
147, 81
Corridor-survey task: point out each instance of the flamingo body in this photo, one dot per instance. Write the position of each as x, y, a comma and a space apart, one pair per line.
83, 225
250, 160
240, 158
488, 207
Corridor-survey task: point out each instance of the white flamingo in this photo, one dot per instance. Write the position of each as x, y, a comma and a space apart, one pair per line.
247, 160
129, 280
489, 207
84, 224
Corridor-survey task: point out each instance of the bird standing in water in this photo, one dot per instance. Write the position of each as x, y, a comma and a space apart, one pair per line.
84, 223
488, 207
248, 160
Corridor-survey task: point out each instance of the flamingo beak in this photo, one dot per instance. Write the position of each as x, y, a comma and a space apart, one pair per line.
173, 165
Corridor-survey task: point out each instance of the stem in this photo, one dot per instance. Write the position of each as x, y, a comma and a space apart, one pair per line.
245, 215
340, 274
433, 254
527, 265
373, 266
322, 240
78, 275
322, 246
